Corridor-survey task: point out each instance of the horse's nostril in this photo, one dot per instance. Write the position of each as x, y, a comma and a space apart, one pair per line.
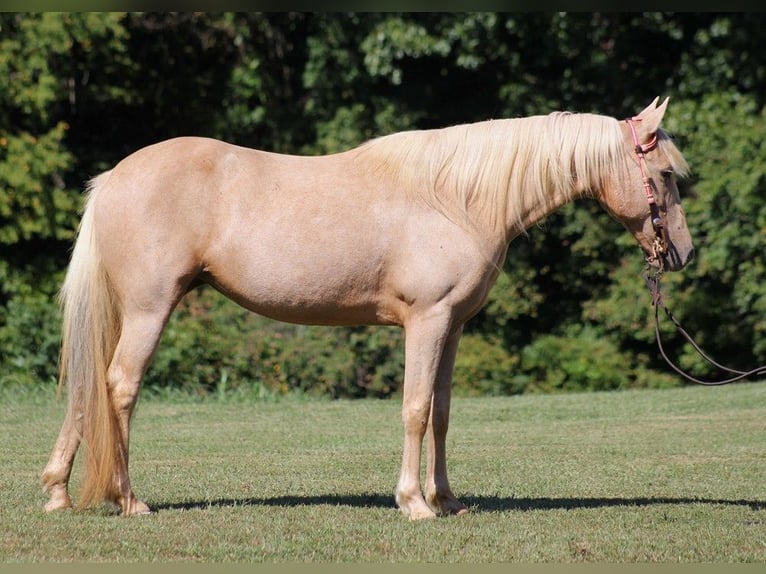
690, 255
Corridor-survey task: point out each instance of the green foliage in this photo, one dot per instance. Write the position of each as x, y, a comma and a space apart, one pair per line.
581, 359
29, 325
79, 91
33, 201
484, 368
724, 295
396, 39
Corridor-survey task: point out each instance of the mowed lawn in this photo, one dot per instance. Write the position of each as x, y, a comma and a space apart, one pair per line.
638, 476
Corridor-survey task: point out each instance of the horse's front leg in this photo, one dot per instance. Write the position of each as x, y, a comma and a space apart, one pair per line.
438, 492
424, 344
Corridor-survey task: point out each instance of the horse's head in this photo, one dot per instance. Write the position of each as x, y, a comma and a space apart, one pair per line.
645, 198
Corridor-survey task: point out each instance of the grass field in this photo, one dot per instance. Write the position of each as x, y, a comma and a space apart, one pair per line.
639, 476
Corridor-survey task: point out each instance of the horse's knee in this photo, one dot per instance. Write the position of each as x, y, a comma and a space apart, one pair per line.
415, 418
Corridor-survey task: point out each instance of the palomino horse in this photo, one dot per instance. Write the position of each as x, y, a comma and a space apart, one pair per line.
410, 229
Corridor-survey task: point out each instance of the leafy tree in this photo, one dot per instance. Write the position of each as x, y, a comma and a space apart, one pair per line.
79, 91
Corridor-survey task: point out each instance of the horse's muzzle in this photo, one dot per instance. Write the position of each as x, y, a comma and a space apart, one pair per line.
672, 259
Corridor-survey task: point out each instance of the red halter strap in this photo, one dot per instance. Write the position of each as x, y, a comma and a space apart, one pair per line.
660, 245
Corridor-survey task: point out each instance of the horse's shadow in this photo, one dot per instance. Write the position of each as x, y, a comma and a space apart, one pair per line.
476, 503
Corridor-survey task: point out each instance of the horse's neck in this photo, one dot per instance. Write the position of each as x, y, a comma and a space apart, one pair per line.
537, 211
540, 211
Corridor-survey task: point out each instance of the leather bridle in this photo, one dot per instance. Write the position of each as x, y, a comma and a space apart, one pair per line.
660, 243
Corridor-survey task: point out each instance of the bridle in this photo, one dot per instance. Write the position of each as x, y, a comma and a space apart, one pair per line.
660, 243
653, 275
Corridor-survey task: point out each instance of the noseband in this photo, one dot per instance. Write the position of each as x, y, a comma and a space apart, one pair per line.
660, 244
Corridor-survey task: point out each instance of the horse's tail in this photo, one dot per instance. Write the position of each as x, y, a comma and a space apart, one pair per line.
91, 328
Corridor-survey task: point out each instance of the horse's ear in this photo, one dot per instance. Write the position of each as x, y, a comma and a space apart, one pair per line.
651, 117
650, 107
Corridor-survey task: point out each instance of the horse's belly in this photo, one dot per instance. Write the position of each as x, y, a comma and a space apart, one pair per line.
323, 291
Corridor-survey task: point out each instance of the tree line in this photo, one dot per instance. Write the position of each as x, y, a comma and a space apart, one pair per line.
79, 91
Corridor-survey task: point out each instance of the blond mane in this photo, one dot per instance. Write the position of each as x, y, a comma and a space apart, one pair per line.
491, 173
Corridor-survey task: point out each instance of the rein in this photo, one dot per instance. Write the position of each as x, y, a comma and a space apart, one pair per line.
654, 276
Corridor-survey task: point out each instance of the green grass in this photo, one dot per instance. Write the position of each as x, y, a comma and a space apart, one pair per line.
645, 476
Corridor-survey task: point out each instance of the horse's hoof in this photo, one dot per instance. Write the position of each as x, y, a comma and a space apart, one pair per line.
59, 500
446, 505
420, 513
57, 505
417, 517
136, 508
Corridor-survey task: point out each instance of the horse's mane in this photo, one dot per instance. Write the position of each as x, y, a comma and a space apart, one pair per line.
486, 173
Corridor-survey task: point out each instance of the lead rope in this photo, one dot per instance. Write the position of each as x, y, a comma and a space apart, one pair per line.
653, 283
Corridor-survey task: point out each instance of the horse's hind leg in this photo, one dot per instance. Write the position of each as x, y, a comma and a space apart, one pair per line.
55, 477
141, 332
